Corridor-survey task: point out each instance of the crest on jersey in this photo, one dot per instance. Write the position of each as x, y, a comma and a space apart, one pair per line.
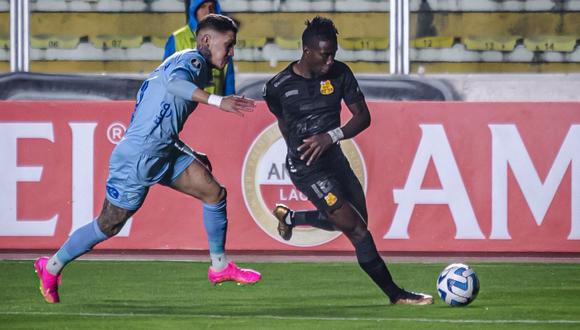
326, 87
196, 63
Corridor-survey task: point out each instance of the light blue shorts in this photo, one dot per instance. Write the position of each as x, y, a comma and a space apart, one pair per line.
132, 171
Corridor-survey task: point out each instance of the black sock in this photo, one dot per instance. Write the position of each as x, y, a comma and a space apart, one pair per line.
312, 218
372, 263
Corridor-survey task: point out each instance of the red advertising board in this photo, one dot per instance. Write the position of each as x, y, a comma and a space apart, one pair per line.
439, 177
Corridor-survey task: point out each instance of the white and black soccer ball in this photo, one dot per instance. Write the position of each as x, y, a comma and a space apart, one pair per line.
458, 285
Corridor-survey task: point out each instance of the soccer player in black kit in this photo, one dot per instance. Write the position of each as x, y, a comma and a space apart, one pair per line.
306, 99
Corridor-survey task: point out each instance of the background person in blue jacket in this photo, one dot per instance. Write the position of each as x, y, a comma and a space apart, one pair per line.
223, 81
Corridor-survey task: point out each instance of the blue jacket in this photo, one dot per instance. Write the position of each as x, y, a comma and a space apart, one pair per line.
170, 46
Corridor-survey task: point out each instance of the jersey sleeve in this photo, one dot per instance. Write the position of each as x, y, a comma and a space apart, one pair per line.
180, 85
270, 95
186, 76
351, 93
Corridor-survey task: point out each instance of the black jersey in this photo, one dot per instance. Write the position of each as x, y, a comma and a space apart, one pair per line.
310, 106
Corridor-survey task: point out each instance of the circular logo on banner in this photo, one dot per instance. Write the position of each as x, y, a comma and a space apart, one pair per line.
265, 182
115, 132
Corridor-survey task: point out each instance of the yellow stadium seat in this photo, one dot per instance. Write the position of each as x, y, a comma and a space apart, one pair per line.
251, 42
288, 43
116, 41
501, 43
433, 42
4, 42
159, 41
59, 41
364, 43
551, 43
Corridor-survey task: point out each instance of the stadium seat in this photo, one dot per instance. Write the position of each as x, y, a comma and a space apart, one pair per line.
551, 43
4, 42
433, 42
105, 23
364, 43
501, 43
288, 43
45, 41
116, 41
251, 42
159, 41
291, 24
489, 24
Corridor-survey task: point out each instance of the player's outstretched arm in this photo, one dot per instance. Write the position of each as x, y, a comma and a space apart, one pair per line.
233, 103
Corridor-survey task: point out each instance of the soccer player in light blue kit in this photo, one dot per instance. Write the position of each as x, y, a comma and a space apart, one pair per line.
151, 153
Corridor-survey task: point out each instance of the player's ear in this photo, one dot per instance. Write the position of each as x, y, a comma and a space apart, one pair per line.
205, 39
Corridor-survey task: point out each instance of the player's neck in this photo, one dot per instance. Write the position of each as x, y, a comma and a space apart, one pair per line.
300, 68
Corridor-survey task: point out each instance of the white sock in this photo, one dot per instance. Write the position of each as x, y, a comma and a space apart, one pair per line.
219, 261
288, 218
54, 266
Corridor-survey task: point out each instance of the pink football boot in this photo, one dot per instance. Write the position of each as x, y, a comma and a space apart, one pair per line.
235, 274
48, 282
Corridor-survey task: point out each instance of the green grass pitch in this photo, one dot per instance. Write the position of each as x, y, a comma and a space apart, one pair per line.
177, 295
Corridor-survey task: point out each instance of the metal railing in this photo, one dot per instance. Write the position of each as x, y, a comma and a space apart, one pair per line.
19, 36
399, 37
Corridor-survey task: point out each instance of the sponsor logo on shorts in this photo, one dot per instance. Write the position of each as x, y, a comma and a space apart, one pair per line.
112, 192
330, 199
266, 181
131, 196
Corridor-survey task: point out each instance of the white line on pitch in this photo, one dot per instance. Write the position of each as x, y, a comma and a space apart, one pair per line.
275, 317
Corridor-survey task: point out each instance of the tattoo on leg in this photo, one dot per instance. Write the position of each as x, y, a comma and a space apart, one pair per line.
112, 218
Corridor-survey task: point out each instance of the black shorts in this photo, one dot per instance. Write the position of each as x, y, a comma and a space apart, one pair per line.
329, 182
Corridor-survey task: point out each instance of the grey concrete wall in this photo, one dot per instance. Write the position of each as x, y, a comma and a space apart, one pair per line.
485, 87
514, 87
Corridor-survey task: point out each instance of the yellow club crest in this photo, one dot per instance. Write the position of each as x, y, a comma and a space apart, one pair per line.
330, 199
326, 87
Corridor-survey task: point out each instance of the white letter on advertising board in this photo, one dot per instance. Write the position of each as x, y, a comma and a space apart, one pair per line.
83, 172
434, 144
11, 174
508, 149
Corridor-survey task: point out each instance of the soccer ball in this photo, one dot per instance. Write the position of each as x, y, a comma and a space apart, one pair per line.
458, 285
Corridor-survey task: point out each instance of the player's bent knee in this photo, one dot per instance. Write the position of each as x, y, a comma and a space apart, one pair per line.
222, 194
216, 197
347, 220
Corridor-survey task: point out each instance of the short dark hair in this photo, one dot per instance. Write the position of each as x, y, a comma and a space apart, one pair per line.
319, 28
217, 22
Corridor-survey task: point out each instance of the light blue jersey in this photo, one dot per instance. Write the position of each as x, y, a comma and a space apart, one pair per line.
147, 153
160, 112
